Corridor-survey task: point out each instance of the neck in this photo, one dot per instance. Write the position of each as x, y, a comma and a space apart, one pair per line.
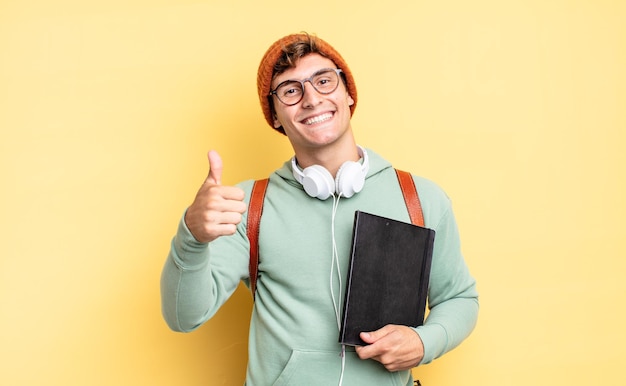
330, 157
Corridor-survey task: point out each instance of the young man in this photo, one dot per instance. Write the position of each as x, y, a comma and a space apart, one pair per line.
307, 92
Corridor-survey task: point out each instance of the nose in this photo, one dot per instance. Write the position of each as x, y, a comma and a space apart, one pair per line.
310, 96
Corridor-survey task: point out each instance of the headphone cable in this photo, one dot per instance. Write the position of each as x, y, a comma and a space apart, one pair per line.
335, 264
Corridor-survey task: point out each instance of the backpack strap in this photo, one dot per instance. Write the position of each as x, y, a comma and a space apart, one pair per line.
255, 209
411, 199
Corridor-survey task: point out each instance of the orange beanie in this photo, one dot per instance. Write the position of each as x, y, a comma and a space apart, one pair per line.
266, 70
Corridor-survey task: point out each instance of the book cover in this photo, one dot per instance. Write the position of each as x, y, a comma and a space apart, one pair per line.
388, 276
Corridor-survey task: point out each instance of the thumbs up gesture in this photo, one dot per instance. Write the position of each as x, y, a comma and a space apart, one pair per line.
217, 209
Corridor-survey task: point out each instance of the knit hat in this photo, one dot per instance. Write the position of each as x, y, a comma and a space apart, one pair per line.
273, 54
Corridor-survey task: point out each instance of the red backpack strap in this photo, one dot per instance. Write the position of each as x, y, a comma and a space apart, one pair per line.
254, 220
411, 198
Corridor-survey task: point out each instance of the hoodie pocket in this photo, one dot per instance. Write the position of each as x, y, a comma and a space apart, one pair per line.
317, 368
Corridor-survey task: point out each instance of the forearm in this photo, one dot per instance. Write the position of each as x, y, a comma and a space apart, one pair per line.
447, 325
199, 277
452, 297
185, 283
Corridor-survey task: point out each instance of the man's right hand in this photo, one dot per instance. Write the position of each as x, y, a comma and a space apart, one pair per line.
217, 209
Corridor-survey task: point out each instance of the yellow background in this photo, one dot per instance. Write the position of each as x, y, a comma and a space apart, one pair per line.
107, 110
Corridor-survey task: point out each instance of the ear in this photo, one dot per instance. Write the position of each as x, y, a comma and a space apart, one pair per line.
350, 100
277, 124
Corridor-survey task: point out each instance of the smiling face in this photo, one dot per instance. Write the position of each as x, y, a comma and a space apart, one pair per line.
318, 119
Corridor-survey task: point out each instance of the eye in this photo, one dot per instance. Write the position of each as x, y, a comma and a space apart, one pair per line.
325, 80
289, 90
322, 80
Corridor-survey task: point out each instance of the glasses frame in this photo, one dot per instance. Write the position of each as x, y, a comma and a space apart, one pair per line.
338, 71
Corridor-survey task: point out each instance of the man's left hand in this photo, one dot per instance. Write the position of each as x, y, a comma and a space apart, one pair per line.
396, 347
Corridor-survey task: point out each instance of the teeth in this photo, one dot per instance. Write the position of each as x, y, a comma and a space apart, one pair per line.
318, 119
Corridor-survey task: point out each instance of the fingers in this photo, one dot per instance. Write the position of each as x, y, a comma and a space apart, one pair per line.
217, 209
215, 212
218, 223
215, 168
396, 347
371, 337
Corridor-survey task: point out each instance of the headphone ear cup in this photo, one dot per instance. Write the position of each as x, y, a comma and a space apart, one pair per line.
318, 182
350, 179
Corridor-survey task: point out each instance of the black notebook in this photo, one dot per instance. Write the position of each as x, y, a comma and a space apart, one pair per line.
387, 276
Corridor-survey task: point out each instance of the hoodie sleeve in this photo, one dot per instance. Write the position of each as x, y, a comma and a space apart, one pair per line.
452, 297
198, 278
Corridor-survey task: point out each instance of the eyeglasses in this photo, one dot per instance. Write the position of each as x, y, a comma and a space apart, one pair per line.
290, 92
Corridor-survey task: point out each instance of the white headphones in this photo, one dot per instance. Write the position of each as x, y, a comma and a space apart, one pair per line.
319, 183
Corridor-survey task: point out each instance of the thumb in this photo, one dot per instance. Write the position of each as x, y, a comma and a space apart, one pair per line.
373, 336
215, 168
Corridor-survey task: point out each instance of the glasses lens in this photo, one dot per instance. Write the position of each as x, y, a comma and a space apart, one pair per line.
326, 81
289, 92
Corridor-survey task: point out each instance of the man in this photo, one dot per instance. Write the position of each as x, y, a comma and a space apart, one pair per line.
307, 92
